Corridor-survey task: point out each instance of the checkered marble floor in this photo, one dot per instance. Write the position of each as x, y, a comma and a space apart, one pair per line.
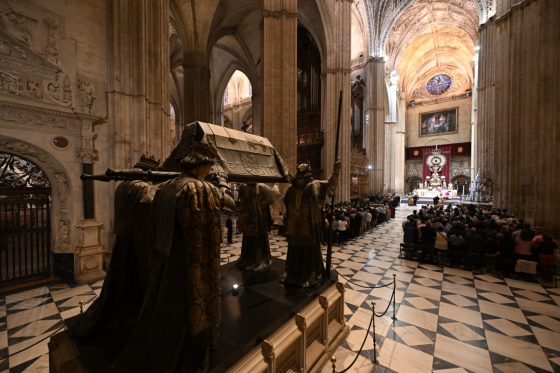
448, 320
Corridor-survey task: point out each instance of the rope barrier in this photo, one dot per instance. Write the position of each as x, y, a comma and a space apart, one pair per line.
388, 305
359, 352
371, 324
365, 287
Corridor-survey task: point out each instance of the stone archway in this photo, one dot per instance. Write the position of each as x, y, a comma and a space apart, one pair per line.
462, 184
25, 220
61, 210
412, 183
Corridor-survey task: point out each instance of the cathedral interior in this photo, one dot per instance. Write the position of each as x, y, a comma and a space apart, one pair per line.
91, 85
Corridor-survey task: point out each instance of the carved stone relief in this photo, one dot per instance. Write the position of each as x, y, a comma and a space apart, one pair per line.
30, 54
63, 186
27, 74
59, 90
460, 166
19, 86
414, 168
51, 50
18, 24
88, 98
22, 116
87, 152
64, 234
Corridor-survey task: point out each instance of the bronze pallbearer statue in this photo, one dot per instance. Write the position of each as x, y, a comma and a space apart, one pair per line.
132, 258
182, 304
304, 201
253, 223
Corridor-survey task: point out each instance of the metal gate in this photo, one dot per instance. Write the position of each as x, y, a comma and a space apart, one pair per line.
25, 220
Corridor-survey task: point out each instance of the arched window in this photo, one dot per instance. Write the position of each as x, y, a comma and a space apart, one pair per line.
172, 112
226, 95
237, 101
238, 88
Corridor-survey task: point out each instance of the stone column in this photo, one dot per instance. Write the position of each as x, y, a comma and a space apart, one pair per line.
278, 78
375, 110
197, 87
518, 116
400, 145
138, 79
389, 159
474, 119
391, 150
89, 253
256, 107
336, 78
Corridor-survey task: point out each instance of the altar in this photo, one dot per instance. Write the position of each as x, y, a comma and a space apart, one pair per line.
432, 192
436, 184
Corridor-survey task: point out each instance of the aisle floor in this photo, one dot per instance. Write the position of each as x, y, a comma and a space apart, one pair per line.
448, 320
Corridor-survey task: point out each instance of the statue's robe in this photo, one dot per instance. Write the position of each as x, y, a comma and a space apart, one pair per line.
183, 300
253, 223
132, 259
304, 223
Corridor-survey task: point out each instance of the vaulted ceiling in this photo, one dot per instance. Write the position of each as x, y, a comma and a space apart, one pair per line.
431, 37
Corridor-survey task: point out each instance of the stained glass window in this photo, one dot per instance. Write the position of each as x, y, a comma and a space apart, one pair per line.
439, 84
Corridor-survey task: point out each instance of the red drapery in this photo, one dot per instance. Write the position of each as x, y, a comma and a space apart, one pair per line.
446, 151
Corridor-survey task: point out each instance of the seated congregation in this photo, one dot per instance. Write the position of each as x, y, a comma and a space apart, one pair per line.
478, 238
353, 218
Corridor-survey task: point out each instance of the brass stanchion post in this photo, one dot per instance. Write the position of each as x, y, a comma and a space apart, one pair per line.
394, 296
333, 364
81, 307
374, 339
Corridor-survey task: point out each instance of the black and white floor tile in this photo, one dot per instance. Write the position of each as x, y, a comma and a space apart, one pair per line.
448, 320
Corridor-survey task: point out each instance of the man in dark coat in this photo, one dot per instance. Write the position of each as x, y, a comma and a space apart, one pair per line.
229, 227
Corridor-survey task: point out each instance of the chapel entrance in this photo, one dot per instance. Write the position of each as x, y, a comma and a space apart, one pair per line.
25, 221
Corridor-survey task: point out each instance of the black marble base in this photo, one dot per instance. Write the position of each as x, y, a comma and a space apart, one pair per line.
63, 267
261, 306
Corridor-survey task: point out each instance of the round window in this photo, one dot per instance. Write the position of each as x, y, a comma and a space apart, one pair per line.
439, 84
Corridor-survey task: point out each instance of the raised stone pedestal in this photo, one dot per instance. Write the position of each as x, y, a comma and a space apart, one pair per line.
265, 327
89, 253
304, 343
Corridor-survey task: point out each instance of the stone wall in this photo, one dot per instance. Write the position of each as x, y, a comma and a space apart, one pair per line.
518, 111
463, 134
53, 79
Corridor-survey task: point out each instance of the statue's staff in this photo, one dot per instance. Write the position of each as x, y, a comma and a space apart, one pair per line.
329, 247
159, 176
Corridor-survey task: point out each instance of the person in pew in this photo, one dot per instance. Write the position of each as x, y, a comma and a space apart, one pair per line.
474, 244
428, 240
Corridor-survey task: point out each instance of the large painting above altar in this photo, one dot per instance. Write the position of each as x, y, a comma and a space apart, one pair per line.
438, 122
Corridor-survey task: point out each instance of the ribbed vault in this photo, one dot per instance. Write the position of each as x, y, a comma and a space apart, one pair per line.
433, 37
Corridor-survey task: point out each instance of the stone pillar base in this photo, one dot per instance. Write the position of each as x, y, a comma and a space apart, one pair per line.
88, 260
